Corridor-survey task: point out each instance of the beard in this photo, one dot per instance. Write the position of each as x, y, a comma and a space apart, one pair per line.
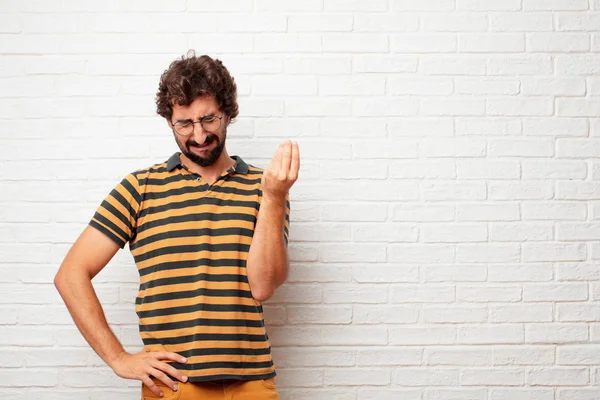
213, 155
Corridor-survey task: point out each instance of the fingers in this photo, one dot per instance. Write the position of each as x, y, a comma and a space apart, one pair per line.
167, 355
286, 159
159, 365
295, 162
276, 160
152, 386
164, 378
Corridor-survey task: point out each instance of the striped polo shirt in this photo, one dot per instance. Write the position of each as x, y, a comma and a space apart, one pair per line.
190, 242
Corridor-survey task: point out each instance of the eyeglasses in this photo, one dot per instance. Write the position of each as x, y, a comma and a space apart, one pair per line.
210, 123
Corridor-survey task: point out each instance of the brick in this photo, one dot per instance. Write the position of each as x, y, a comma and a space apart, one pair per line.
383, 314
389, 356
577, 107
496, 376
426, 376
454, 22
385, 274
490, 86
577, 272
431, 86
422, 294
521, 232
352, 253
520, 313
577, 65
447, 191
421, 253
411, 43
554, 169
578, 355
352, 85
523, 355
362, 293
555, 5
355, 43
488, 5
553, 252
553, 87
556, 333
488, 293
298, 357
556, 127
460, 147
319, 315
558, 376
487, 252
468, 65
454, 314
378, 22
453, 273
34, 378
395, 149
519, 65
453, 233
459, 355
423, 335
355, 5
279, 42
328, 335
530, 190
491, 43
569, 312
574, 21
423, 212
521, 22
289, 6
521, 108
491, 334
558, 42
488, 126
487, 212
476, 169
358, 377
383, 63
344, 128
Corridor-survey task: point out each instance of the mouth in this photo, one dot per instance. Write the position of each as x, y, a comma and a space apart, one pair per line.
208, 143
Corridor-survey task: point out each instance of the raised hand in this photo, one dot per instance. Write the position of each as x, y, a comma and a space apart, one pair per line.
282, 172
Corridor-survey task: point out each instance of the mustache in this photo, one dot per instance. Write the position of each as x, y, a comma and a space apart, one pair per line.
209, 139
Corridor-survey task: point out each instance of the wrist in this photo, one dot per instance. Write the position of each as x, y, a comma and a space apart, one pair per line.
275, 199
114, 360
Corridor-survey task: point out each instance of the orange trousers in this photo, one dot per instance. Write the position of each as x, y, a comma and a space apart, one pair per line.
262, 389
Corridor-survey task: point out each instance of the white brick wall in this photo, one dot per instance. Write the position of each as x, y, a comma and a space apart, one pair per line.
445, 236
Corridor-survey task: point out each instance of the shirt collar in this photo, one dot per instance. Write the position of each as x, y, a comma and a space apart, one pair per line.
240, 166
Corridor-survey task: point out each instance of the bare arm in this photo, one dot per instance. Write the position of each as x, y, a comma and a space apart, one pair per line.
268, 265
88, 256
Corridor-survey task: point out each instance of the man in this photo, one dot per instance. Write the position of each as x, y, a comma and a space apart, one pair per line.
209, 234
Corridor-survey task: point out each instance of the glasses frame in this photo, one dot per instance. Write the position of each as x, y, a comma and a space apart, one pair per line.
200, 121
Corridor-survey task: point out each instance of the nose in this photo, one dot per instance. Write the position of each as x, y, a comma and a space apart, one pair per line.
199, 133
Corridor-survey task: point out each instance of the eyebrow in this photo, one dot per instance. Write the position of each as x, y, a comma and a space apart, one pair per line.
189, 119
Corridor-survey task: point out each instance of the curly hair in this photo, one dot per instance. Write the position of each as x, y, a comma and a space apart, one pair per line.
191, 77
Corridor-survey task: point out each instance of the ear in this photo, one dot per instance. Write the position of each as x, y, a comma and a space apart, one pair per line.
169, 123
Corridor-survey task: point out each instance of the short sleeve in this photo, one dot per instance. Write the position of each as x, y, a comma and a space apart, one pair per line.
286, 223
116, 216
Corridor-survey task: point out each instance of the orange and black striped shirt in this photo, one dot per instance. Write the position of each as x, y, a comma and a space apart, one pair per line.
190, 242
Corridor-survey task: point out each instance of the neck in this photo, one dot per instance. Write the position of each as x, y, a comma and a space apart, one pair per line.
212, 172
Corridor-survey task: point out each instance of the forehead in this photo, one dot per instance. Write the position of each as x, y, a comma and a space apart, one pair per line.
198, 108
